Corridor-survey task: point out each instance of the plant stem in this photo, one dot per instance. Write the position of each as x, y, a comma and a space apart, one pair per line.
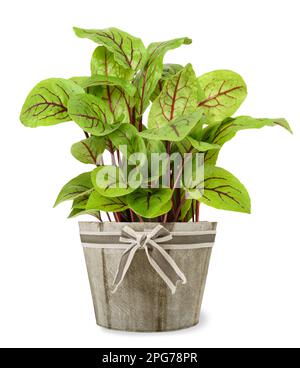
86, 134
108, 217
132, 116
117, 216
111, 150
177, 214
193, 211
140, 218
165, 219
197, 211
141, 124
182, 202
132, 215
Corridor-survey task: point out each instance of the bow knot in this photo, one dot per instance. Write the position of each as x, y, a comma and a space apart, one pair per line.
158, 258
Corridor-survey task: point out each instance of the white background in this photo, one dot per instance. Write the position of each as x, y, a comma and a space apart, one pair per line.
252, 297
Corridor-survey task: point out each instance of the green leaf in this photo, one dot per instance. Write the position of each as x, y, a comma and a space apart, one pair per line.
148, 78
79, 207
221, 133
128, 140
222, 190
81, 202
155, 147
196, 132
128, 51
104, 63
202, 146
91, 114
158, 49
110, 181
47, 102
150, 203
79, 212
119, 103
176, 130
185, 209
103, 80
169, 70
223, 91
155, 168
89, 150
178, 97
97, 202
79, 80
77, 187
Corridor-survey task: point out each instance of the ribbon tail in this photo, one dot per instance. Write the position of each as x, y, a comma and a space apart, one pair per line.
123, 266
165, 266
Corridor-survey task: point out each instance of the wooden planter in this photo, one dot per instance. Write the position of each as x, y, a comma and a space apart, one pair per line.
143, 302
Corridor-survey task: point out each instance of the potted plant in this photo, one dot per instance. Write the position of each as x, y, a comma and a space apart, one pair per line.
148, 263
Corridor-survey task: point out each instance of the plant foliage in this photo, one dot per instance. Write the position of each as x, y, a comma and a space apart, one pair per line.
187, 115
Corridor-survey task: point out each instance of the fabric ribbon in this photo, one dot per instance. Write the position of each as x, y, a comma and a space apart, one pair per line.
158, 258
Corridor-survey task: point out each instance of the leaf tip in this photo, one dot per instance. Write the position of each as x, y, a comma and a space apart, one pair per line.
188, 41
77, 31
284, 124
57, 202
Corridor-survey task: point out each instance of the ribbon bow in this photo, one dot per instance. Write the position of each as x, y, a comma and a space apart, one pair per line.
158, 258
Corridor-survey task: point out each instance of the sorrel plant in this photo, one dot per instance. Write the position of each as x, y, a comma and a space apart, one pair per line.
159, 170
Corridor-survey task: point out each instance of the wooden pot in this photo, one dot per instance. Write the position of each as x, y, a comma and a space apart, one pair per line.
143, 302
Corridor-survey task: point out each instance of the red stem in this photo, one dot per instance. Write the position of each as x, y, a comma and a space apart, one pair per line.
111, 150
197, 211
132, 215
140, 127
117, 216
177, 214
140, 218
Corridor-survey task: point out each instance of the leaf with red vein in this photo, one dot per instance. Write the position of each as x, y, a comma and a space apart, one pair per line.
103, 80
169, 70
97, 202
89, 150
80, 202
119, 102
104, 63
91, 114
128, 140
176, 130
150, 75
178, 97
220, 189
47, 102
220, 133
110, 181
150, 203
202, 146
79, 207
78, 212
75, 188
223, 91
128, 50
